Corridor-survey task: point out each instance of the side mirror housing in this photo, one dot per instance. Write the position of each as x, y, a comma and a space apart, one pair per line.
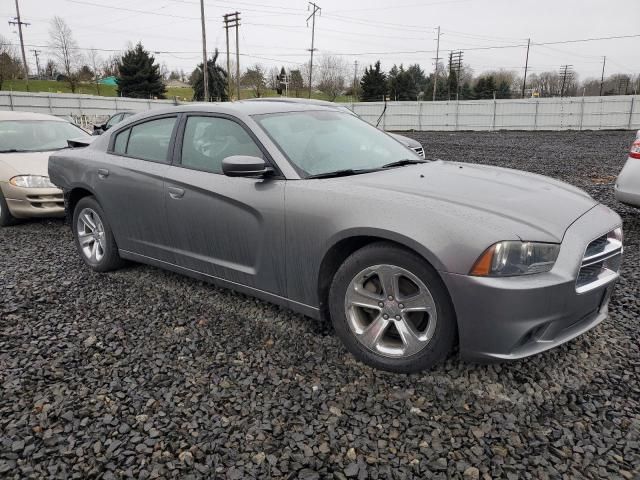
245, 166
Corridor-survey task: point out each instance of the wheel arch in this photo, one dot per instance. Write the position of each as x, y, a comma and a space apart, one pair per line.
349, 242
73, 195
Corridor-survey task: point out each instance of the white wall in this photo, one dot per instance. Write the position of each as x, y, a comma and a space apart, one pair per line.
571, 113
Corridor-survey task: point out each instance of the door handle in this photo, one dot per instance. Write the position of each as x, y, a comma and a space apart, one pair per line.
103, 172
176, 192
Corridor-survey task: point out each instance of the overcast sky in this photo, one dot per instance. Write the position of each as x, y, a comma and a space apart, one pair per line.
275, 32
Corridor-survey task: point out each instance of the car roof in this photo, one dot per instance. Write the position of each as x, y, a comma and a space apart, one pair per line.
238, 108
13, 115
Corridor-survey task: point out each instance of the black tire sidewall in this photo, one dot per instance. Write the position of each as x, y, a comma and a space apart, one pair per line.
445, 334
111, 259
6, 219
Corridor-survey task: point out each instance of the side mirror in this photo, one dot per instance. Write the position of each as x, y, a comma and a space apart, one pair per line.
245, 166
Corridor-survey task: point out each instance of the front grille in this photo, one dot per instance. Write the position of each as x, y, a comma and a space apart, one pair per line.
601, 262
419, 151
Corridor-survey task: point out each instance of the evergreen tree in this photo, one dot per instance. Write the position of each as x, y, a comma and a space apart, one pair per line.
419, 79
504, 90
217, 79
407, 88
139, 75
484, 87
392, 82
296, 83
373, 84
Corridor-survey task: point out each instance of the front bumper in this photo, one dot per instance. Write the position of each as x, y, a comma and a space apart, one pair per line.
515, 317
627, 187
33, 202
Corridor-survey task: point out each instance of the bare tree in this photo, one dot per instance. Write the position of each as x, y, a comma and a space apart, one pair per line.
273, 81
254, 79
95, 61
65, 50
10, 65
331, 78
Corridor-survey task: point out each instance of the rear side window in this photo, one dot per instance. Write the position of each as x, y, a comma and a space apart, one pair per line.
148, 141
120, 145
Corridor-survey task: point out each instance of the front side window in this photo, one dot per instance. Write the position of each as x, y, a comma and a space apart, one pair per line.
209, 140
113, 120
36, 135
149, 140
120, 144
320, 142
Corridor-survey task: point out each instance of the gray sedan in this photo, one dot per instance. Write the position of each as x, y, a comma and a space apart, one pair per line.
316, 210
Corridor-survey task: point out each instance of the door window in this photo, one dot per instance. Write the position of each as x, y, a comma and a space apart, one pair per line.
209, 140
120, 145
150, 140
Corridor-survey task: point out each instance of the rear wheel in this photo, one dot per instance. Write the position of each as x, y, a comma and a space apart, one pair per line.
391, 310
6, 219
94, 238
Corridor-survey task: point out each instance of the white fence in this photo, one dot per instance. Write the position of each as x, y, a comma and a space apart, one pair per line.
571, 113
85, 109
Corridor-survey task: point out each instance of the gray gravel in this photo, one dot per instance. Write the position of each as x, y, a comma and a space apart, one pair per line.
146, 374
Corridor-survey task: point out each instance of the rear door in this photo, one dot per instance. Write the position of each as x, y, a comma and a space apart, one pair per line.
226, 227
130, 185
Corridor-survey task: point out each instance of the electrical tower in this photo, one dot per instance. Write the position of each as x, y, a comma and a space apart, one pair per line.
318, 10
232, 20
36, 53
17, 21
566, 75
455, 66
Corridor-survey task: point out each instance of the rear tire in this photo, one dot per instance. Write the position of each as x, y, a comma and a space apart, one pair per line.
391, 310
6, 219
94, 237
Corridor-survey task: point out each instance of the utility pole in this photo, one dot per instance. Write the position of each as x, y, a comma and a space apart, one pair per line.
316, 9
19, 22
526, 67
205, 69
36, 53
566, 73
232, 20
455, 63
435, 70
604, 62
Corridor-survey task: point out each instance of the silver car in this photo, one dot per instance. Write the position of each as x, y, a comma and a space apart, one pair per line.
316, 210
627, 187
26, 141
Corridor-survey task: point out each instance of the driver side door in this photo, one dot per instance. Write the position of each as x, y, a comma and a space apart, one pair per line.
231, 228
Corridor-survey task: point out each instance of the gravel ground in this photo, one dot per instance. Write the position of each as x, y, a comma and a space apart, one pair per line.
146, 374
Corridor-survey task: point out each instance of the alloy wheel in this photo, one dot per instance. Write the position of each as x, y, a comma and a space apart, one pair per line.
91, 235
390, 311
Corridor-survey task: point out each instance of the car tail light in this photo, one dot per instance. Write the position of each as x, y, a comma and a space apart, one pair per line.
634, 152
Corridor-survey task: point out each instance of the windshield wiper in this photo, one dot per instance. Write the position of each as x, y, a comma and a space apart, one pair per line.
403, 162
342, 173
12, 150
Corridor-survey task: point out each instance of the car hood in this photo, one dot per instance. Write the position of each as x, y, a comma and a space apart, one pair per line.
406, 141
529, 206
23, 163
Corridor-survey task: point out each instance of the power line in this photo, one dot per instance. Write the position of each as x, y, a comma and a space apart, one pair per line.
17, 21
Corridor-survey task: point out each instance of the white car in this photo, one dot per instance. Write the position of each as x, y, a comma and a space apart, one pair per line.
627, 186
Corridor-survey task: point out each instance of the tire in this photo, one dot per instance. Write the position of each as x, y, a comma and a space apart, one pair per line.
411, 336
99, 250
6, 219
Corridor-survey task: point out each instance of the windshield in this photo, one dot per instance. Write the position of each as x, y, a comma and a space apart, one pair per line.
36, 135
320, 142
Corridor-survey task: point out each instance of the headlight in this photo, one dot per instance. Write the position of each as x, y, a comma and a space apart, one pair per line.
31, 181
510, 258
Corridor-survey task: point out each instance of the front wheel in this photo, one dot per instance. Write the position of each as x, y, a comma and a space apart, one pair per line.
391, 310
93, 236
6, 219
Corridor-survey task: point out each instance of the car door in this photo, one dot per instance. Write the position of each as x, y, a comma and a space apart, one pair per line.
130, 185
226, 227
